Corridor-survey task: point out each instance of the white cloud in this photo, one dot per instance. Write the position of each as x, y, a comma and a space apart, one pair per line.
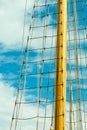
11, 21
7, 100
29, 111
7, 94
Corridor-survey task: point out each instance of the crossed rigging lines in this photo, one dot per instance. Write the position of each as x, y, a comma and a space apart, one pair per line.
72, 123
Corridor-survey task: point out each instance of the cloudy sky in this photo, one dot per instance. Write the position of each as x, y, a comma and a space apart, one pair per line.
13, 40
11, 31
12, 14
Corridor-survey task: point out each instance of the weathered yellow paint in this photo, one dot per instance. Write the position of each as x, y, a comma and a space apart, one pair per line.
60, 105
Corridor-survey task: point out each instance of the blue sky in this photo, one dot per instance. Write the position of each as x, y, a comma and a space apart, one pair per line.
11, 24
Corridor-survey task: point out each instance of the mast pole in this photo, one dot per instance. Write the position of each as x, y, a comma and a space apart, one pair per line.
60, 105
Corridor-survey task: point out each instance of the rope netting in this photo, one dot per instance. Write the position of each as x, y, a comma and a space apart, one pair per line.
35, 102
77, 64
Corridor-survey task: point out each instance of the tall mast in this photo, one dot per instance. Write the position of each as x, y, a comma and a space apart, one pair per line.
60, 105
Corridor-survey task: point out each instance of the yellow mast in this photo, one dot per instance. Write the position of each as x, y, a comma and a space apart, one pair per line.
60, 105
